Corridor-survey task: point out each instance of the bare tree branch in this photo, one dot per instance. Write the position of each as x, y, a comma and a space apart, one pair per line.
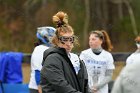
86, 25
132, 17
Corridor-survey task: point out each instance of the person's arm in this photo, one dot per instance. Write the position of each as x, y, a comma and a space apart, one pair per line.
37, 79
39, 89
37, 76
108, 73
53, 71
106, 80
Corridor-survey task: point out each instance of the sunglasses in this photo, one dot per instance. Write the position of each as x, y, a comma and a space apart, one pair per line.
65, 39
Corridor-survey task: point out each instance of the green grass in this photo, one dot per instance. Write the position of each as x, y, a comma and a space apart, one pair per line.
118, 68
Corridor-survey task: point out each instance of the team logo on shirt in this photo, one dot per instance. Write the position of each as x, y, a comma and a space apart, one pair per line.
92, 61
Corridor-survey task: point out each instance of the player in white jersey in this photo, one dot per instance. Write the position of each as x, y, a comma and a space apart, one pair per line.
99, 62
134, 57
44, 35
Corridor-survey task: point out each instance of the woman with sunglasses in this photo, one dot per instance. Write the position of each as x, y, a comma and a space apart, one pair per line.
62, 71
136, 55
98, 61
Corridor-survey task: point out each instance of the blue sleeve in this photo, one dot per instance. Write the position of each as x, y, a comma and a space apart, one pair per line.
37, 77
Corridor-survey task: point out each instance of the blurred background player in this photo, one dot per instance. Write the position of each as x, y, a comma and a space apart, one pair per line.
136, 55
99, 61
44, 36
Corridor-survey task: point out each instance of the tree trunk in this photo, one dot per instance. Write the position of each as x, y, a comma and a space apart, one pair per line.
105, 14
120, 11
132, 17
86, 25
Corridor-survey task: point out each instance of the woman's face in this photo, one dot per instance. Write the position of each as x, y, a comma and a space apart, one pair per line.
94, 41
66, 41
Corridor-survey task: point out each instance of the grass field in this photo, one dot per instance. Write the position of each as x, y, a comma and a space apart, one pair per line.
118, 68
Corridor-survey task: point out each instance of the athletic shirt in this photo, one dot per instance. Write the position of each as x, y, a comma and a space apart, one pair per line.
36, 64
134, 57
97, 65
75, 62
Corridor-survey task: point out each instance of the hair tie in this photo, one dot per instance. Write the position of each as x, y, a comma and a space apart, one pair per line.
60, 23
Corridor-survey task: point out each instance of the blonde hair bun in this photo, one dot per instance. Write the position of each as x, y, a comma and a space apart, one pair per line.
60, 19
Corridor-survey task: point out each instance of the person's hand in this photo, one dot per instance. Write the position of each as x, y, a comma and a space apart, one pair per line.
94, 89
39, 89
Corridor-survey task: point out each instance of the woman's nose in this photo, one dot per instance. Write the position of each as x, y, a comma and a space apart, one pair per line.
68, 42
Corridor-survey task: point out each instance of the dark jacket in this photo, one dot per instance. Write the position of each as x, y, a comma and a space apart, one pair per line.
58, 74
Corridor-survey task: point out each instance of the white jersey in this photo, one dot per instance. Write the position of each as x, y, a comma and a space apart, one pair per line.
134, 57
75, 62
96, 66
36, 64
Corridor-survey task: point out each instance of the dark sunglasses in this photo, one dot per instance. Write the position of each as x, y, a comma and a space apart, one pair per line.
65, 39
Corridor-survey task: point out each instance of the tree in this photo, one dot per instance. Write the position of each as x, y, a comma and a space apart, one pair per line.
86, 25
130, 11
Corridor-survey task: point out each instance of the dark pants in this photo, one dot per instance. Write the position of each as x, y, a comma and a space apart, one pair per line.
33, 91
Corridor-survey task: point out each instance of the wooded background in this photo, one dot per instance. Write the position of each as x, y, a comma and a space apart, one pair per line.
19, 20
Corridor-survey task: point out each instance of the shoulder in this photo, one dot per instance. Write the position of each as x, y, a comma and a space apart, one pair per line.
108, 56
52, 59
133, 55
133, 67
86, 54
53, 56
130, 57
40, 47
132, 70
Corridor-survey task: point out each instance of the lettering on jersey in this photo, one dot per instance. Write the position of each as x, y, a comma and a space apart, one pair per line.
76, 61
92, 61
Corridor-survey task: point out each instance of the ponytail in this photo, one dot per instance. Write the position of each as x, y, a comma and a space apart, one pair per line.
106, 42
